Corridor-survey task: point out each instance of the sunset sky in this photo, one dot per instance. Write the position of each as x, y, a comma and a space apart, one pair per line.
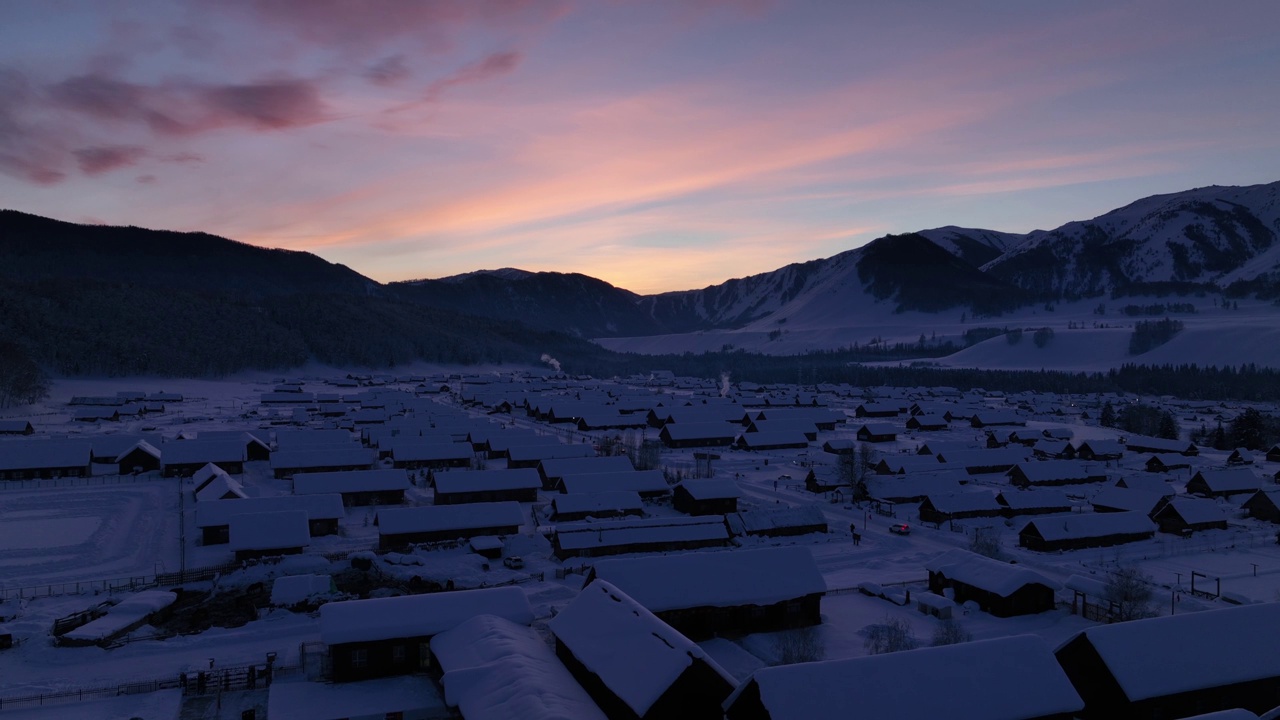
656, 145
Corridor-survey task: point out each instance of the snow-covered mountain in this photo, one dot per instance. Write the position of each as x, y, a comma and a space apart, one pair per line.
1211, 236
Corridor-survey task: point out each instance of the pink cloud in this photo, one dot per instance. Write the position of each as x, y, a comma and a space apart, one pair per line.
104, 158
492, 66
388, 71
188, 108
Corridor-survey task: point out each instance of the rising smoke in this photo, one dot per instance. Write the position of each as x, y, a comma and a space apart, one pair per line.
554, 363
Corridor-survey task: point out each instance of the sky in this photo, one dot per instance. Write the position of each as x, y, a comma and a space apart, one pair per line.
658, 144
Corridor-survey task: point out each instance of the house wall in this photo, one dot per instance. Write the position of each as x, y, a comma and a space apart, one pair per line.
380, 658
459, 498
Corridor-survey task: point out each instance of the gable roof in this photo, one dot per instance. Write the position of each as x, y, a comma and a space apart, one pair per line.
715, 579
1009, 678
973, 569
612, 635
418, 615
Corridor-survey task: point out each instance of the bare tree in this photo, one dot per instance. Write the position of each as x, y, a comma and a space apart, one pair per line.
986, 542
950, 632
799, 645
857, 467
1130, 594
891, 635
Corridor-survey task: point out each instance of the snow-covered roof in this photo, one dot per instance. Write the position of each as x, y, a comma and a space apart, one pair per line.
1229, 480
483, 480
269, 530
965, 502
1035, 499
418, 449
36, 454
410, 616
1048, 471
610, 533
349, 455
317, 507
368, 698
973, 569
1125, 499
143, 446
1071, 526
431, 518
711, 489
219, 487
563, 467
715, 579
495, 669
548, 450
1194, 511
597, 501
771, 518
636, 655
123, 614
640, 481
190, 452
1008, 678
350, 481
1150, 658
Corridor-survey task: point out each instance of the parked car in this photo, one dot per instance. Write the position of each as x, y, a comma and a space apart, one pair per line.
900, 529
515, 562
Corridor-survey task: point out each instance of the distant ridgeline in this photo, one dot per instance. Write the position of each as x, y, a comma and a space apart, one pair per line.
96, 300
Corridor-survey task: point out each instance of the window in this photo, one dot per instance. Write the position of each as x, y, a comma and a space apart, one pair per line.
359, 658
397, 654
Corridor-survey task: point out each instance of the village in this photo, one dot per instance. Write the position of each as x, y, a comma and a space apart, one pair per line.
535, 545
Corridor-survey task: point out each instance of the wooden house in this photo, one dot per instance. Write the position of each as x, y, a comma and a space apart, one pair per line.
1168, 462
417, 453
1183, 515
1099, 450
603, 637
1273, 454
996, 418
1009, 678
379, 637
706, 497
824, 478
552, 470
16, 427
605, 504
699, 434
1056, 472
876, 433
877, 410
1048, 533
959, 506
632, 535
783, 521
986, 462
1034, 502
181, 458
927, 423
1178, 664
29, 459
529, 456
473, 486
1145, 444
1264, 505
357, 487
495, 668
1240, 456
398, 527
268, 534
704, 594
213, 518
141, 457
1224, 482
999, 588
648, 483
349, 456
772, 440
1118, 499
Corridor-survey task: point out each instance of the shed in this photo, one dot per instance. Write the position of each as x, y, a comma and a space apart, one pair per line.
1056, 472
665, 534
648, 483
605, 504
213, 518
1185, 515
876, 433
1224, 482
958, 506
552, 470
1264, 505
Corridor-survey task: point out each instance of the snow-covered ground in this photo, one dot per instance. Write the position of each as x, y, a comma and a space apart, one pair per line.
1083, 340
82, 532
